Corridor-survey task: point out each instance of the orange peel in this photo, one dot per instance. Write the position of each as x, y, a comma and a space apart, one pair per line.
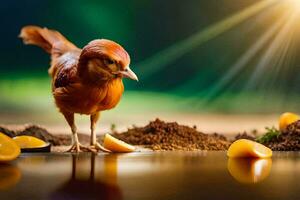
287, 119
247, 148
116, 145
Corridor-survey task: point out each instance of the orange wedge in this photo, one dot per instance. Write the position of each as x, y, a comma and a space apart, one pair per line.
247, 148
25, 141
9, 150
116, 145
287, 119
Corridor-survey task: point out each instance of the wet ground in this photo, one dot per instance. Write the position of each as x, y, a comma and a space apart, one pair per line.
150, 175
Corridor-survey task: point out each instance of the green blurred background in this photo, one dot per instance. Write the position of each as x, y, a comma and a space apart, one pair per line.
210, 75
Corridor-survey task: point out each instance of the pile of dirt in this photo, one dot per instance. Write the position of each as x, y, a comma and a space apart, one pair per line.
160, 135
288, 140
244, 135
43, 134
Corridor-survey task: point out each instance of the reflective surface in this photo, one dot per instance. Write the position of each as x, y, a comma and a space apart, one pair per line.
166, 175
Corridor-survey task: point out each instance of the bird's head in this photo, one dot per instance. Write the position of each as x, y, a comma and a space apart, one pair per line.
103, 60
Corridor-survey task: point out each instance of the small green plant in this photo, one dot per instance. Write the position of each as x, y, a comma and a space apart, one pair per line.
113, 127
269, 135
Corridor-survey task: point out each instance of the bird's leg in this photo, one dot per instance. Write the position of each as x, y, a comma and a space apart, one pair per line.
94, 118
94, 144
76, 146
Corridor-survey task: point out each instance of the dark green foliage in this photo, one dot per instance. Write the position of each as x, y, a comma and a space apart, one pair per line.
269, 135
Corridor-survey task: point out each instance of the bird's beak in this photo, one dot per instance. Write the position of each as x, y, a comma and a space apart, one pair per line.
128, 73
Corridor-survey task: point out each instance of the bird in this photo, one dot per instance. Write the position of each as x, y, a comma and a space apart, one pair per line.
84, 80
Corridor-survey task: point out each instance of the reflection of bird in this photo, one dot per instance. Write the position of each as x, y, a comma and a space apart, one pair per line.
84, 81
87, 188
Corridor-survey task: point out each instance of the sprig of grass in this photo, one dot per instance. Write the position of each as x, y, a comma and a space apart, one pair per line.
269, 135
113, 127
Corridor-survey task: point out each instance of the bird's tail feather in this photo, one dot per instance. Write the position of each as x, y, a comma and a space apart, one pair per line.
50, 40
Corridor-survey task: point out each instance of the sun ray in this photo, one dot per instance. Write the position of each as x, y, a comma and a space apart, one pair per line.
277, 64
270, 67
242, 62
266, 60
175, 51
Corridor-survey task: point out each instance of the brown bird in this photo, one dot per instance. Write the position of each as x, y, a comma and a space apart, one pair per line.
84, 81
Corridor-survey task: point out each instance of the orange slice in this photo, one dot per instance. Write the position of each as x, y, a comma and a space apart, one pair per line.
116, 145
25, 141
247, 148
287, 119
9, 150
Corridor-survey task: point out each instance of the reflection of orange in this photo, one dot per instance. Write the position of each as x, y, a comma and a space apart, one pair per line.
9, 150
9, 176
247, 148
249, 170
111, 169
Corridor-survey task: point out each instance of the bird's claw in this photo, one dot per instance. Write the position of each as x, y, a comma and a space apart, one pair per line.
76, 148
99, 147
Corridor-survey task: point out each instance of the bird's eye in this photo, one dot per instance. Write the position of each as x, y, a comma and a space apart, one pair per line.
109, 61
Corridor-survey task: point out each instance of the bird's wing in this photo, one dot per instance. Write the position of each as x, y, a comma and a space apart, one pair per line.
66, 66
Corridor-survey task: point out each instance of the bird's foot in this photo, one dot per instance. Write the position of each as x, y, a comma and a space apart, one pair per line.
77, 147
99, 147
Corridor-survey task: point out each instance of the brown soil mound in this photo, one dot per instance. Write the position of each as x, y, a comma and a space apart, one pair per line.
160, 135
43, 134
288, 140
244, 135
